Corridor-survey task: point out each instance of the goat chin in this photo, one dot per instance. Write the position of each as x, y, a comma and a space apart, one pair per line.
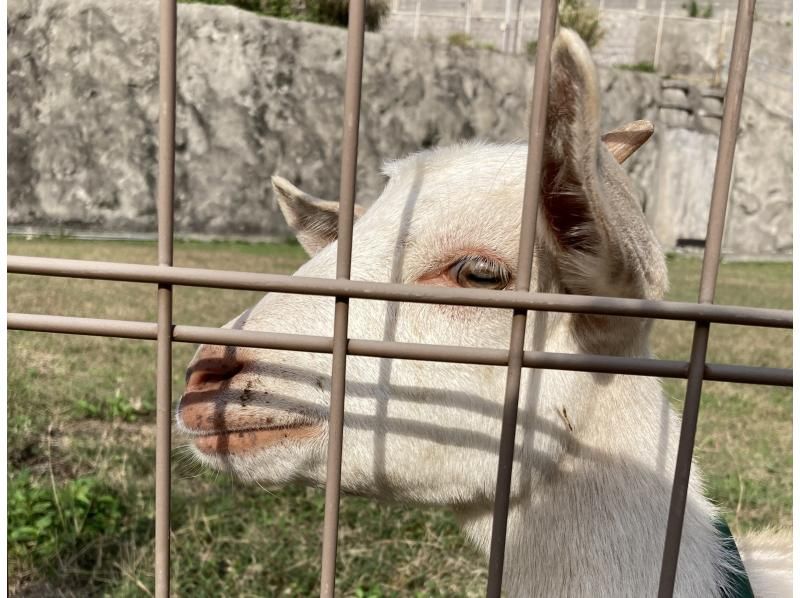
767, 557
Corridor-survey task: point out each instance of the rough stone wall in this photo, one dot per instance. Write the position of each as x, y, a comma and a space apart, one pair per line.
258, 97
760, 212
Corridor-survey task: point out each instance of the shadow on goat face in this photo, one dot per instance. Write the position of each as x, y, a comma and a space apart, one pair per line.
429, 432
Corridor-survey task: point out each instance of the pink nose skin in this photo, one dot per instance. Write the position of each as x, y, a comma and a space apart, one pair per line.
200, 407
211, 373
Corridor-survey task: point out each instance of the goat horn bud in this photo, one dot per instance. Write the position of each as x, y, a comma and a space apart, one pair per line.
625, 140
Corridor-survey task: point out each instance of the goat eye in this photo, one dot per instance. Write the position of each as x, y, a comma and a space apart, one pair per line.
480, 272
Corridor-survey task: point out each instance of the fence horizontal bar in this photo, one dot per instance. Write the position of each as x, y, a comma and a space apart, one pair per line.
613, 306
85, 326
604, 364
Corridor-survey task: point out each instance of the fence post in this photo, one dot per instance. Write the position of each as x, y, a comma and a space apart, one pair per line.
354, 66
507, 27
548, 18
468, 16
723, 27
517, 27
168, 15
417, 10
659, 33
734, 92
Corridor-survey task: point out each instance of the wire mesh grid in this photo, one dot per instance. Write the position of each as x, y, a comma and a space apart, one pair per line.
521, 301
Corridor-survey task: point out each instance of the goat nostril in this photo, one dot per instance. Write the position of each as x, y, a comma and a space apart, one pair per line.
215, 373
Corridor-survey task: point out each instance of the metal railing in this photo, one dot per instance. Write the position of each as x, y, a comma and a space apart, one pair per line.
496, 25
165, 275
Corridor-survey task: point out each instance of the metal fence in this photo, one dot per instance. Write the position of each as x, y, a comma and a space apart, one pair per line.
510, 26
164, 332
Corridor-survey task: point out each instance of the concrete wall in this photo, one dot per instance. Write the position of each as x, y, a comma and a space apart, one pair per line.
258, 97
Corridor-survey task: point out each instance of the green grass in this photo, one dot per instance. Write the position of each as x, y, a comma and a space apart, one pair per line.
81, 427
641, 67
744, 438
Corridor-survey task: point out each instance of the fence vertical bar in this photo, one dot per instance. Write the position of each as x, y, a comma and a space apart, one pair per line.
517, 29
708, 280
166, 187
659, 33
347, 191
507, 27
723, 29
530, 209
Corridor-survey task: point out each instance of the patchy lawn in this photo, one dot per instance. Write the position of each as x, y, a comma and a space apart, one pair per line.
81, 423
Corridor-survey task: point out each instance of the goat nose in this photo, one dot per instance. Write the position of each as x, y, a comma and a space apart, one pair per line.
211, 372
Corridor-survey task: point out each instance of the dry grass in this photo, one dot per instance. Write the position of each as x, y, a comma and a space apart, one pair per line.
231, 539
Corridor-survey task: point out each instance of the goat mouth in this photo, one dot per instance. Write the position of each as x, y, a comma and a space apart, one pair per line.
234, 442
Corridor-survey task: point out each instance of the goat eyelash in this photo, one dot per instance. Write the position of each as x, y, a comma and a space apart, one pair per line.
479, 271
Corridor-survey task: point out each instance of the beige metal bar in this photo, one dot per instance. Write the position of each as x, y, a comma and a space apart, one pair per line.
533, 174
613, 306
86, 326
634, 366
716, 223
166, 187
347, 193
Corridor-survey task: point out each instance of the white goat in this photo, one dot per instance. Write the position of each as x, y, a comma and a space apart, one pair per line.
595, 453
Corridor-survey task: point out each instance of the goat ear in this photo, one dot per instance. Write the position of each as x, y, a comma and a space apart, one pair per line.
625, 140
571, 144
315, 221
592, 220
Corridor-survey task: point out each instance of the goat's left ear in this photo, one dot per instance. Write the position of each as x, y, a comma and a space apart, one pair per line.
315, 221
591, 217
571, 144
